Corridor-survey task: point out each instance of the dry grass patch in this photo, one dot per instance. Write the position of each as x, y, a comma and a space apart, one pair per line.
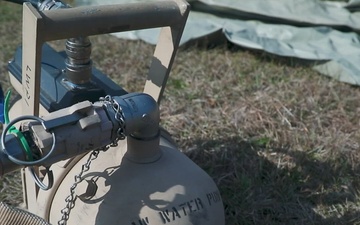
280, 140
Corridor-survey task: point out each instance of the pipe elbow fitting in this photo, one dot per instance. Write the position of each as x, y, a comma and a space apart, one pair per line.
141, 115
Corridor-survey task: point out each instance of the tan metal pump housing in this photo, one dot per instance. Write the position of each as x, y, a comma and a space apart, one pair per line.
139, 182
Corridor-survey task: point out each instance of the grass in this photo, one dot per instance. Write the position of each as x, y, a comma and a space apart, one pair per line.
280, 140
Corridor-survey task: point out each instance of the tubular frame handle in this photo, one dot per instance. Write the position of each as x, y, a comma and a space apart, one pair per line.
103, 19
39, 27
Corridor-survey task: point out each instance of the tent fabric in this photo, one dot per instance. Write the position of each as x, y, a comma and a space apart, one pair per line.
296, 12
306, 29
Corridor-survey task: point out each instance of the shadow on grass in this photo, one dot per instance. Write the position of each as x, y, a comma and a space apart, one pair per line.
260, 189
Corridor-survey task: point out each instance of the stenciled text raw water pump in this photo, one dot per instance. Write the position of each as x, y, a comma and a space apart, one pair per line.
90, 152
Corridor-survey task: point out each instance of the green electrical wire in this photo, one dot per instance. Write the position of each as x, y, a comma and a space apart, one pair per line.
13, 129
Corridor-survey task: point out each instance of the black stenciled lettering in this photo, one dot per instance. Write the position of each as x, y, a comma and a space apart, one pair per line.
142, 221
27, 87
27, 80
209, 198
217, 197
27, 95
182, 206
213, 197
28, 68
199, 204
165, 216
190, 205
27, 103
175, 214
183, 209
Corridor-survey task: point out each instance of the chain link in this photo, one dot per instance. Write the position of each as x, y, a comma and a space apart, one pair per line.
78, 178
71, 198
119, 116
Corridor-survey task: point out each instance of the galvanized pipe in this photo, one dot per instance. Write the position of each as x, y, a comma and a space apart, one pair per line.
90, 20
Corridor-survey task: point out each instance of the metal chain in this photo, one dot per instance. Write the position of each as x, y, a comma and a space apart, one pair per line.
119, 116
71, 198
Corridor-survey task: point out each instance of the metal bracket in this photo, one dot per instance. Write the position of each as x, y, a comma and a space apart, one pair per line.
39, 27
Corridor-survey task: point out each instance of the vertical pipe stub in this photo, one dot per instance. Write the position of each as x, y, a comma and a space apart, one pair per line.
78, 62
51, 5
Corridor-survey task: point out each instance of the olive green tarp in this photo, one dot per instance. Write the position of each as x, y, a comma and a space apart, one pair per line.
326, 32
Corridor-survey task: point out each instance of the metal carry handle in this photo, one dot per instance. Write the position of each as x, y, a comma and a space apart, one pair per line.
39, 27
91, 20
